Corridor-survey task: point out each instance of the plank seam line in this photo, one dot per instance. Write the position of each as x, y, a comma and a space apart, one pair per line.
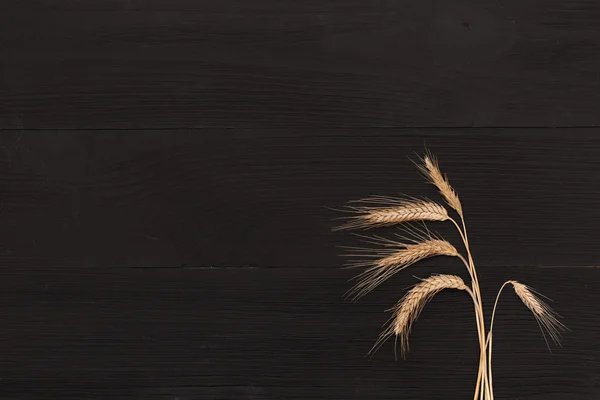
325, 127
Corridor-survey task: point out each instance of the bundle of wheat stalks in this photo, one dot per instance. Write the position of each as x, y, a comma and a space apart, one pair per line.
392, 256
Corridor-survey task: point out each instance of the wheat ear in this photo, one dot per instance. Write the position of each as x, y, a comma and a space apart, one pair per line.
432, 172
392, 211
393, 257
408, 309
546, 317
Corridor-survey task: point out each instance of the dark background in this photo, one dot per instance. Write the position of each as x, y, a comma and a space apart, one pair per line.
167, 169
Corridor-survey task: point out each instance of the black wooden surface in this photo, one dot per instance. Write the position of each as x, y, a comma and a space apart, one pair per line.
243, 333
168, 169
274, 63
264, 197
200, 264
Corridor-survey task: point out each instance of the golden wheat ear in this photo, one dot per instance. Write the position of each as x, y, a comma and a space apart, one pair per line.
381, 263
546, 317
408, 309
431, 170
379, 211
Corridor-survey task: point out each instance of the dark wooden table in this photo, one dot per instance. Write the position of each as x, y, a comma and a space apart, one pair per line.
167, 170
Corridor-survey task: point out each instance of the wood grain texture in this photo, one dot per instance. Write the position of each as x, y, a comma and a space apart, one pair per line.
168, 171
253, 197
274, 334
319, 63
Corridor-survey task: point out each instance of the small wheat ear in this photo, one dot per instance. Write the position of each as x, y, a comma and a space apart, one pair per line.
408, 309
546, 317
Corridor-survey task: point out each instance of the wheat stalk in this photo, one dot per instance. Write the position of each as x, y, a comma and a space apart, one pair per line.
392, 256
395, 211
431, 170
545, 316
408, 309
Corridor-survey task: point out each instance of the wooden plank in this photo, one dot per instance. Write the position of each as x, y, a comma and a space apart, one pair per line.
318, 63
254, 333
253, 197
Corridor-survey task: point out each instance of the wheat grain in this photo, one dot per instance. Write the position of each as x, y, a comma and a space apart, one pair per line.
408, 309
398, 211
432, 172
546, 317
396, 257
